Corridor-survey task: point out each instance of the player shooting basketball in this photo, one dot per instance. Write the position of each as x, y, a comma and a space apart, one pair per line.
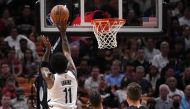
62, 85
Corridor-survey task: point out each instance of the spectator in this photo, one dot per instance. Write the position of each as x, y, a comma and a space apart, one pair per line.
83, 71
133, 47
151, 103
108, 94
153, 75
141, 60
139, 78
121, 93
149, 50
185, 19
10, 87
144, 5
186, 36
29, 64
115, 76
125, 57
4, 49
11, 24
5, 101
14, 62
179, 50
176, 101
132, 19
4, 20
175, 30
177, 56
178, 10
18, 102
172, 83
161, 60
129, 69
163, 102
134, 92
108, 56
5, 73
75, 51
26, 16
128, 78
110, 99
92, 83
185, 99
133, 5
103, 86
167, 72
5, 15
23, 47
14, 38
95, 100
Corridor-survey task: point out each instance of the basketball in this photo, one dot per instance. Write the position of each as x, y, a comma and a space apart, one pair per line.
59, 13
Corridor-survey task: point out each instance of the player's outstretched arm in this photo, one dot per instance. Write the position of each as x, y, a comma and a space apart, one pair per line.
65, 46
44, 68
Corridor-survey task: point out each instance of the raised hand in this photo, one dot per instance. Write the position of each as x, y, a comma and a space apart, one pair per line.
62, 26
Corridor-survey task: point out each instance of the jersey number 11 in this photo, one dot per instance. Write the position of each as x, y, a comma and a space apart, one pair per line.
68, 95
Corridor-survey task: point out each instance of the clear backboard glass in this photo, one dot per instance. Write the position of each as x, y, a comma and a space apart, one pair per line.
141, 15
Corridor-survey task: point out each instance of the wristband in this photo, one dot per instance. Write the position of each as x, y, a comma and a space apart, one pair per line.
44, 64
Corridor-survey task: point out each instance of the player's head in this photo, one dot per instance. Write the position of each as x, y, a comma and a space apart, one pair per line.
58, 63
134, 92
95, 99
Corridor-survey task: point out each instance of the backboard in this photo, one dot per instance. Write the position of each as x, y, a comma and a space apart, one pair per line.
143, 16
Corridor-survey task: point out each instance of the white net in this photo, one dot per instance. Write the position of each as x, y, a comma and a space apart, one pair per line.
105, 32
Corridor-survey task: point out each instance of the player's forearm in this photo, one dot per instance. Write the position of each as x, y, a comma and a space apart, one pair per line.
67, 52
65, 43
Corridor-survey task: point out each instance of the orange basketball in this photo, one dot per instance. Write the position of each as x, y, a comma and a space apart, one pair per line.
59, 13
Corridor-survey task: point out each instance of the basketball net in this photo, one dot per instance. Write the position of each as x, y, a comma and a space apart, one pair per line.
105, 31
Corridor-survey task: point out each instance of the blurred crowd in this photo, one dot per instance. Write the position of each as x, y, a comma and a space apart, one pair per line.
161, 64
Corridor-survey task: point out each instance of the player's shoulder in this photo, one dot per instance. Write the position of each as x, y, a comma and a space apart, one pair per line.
71, 72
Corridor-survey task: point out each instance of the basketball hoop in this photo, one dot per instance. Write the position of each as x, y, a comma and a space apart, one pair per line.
105, 31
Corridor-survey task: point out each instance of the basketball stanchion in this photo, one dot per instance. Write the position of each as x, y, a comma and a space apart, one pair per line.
105, 31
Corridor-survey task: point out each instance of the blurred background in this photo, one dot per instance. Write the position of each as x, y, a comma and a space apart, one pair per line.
148, 60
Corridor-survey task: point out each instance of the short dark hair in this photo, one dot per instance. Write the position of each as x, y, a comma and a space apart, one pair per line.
23, 40
58, 63
95, 98
134, 91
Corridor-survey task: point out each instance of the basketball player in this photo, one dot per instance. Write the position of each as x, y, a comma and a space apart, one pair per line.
134, 92
61, 83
